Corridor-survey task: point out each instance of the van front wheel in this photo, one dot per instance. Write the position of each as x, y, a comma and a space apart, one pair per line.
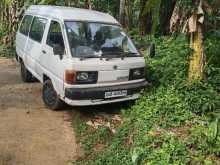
50, 97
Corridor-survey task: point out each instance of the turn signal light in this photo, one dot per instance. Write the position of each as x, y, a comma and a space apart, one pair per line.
70, 76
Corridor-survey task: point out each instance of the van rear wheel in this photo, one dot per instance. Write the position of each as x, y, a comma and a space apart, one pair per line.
50, 97
25, 74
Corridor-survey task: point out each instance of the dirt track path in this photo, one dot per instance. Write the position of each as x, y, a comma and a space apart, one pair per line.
30, 134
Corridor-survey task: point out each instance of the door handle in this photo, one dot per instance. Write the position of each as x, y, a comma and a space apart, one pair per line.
44, 52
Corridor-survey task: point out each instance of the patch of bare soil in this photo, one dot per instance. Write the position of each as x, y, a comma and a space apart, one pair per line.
31, 134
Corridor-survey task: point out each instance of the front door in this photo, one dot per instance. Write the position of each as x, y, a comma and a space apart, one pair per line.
54, 64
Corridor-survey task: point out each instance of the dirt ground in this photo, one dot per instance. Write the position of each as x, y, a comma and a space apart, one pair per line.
31, 134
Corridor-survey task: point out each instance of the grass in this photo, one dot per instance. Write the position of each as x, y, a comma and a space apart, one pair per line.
174, 122
106, 117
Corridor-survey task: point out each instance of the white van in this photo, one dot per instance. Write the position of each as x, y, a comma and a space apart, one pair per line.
82, 57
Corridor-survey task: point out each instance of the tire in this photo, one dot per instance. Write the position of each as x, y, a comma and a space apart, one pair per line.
16, 57
25, 74
50, 97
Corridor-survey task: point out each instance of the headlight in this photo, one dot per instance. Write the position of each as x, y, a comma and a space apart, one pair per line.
82, 76
136, 73
86, 77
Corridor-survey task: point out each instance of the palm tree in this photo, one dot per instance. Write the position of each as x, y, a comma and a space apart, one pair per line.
191, 21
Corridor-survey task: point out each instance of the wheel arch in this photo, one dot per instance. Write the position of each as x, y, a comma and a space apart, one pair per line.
58, 102
46, 77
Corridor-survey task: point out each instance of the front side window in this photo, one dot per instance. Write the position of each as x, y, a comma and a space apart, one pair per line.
98, 39
55, 36
25, 25
37, 29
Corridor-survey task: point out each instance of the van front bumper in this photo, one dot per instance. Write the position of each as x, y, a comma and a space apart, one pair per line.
98, 93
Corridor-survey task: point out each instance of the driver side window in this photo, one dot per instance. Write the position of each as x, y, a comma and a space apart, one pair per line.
55, 36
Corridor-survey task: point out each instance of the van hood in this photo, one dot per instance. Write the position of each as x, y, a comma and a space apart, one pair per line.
97, 64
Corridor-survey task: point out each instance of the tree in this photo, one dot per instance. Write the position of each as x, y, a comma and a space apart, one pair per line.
197, 60
145, 21
9, 19
122, 12
189, 18
88, 4
180, 15
154, 13
166, 11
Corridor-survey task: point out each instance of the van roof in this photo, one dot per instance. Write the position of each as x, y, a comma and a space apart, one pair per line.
70, 13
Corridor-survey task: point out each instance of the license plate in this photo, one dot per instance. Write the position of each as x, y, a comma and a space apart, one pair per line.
113, 94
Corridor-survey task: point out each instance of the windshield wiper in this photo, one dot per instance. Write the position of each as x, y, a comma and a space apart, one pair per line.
131, 54
88, 56
111, 55
119, 54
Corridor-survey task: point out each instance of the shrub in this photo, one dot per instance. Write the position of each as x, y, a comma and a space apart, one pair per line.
145, 136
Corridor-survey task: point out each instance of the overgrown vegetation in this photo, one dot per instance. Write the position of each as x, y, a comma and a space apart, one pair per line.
6, 50
174, 122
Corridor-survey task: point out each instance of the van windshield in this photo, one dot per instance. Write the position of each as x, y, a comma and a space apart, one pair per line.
98, 40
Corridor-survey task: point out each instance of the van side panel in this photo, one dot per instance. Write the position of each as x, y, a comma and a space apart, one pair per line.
34, 44
21, 41
33, 50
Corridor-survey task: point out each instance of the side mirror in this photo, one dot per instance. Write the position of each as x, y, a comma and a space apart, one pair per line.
58, 50
151, 50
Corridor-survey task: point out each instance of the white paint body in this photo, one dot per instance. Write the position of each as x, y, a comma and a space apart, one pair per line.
40, 64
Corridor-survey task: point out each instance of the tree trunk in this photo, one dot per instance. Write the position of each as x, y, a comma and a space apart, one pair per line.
179, 18
197, 61
14, 17
122, 12
1, 15
74, 3
145, 21
88, 4
128, 13
10, 19
166, 11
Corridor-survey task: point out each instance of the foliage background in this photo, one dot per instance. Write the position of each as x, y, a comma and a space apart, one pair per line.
174, 122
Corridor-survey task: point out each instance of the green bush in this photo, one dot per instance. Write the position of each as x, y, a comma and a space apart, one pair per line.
212, 46
201, 97
165, 149
7, 51
172, 102
2, 32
